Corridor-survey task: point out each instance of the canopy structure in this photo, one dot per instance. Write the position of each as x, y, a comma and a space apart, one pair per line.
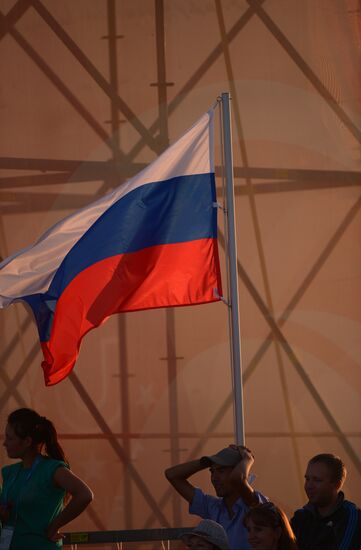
94, 91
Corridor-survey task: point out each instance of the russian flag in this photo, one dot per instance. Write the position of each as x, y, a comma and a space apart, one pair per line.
150, 243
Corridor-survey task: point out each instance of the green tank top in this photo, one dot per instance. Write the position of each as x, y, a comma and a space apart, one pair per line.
38, 503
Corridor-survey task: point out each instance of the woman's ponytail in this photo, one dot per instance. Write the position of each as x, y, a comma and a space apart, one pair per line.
50, 439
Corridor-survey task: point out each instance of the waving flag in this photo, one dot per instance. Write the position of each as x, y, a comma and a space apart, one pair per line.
150, 243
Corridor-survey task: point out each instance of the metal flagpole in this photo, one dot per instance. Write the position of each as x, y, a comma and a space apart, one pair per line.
233, 275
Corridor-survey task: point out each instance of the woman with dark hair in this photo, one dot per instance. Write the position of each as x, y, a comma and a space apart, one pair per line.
268, 528
34, 490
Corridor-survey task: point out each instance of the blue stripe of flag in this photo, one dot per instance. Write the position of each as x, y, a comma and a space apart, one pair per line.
173, 211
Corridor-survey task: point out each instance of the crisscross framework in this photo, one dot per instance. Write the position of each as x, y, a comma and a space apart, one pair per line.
19, 196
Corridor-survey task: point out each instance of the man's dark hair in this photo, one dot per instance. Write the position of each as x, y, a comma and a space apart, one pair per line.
335, 465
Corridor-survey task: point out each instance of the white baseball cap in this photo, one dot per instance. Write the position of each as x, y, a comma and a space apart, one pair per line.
210, 531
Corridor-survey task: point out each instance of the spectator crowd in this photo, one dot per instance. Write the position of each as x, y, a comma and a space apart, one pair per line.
241, 518
40, 495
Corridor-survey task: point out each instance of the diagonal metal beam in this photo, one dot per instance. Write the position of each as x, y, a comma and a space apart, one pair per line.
101, 422
13, 16
213, 56
11, 388
198, 74
259, 241
195, 451
222, 410
311, 275
216, 52
297, 365
6, 353
20, 329
58, 83
95, 518
96, 75
305, 68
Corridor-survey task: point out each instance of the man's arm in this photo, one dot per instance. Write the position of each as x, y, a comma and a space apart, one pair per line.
240, 473
178, 477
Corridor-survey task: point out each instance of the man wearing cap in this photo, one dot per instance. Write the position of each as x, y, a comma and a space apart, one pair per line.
229, 470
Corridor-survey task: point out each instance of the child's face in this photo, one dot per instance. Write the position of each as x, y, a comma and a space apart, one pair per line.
261, 537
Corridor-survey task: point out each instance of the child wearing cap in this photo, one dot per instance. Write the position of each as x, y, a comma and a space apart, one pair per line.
207, 535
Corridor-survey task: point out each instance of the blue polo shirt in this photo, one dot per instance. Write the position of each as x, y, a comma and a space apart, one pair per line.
209, 507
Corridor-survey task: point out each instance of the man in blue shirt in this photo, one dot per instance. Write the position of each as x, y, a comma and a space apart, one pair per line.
229, 469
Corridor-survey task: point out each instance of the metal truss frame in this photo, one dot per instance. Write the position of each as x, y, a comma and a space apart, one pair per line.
121, 166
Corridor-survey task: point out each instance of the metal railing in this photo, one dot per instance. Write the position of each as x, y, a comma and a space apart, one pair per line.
127, 536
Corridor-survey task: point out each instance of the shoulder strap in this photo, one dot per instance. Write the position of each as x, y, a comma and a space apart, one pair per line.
352, 512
